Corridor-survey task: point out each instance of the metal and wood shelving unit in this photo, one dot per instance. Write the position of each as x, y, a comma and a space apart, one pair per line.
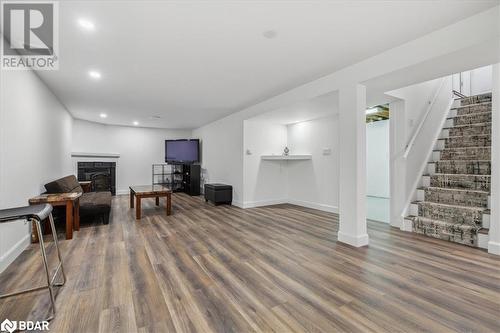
178, 177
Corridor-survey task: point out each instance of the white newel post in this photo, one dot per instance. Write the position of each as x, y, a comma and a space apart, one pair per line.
494, 234
352, 201
397, 164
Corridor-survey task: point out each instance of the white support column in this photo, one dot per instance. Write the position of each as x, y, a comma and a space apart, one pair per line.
494, 234
352, 138
397, 123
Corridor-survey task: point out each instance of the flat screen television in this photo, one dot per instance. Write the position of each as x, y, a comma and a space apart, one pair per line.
182, 151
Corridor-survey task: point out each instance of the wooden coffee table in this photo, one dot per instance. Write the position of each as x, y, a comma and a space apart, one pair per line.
70, 200
149, 191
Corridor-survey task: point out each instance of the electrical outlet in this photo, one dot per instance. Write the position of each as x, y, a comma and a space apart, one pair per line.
327, 151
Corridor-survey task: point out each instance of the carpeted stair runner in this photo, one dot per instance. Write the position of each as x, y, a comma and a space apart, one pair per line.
453, 204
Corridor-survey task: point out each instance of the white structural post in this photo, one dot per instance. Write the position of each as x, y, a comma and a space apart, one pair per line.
494, 234
397, 163
352, 138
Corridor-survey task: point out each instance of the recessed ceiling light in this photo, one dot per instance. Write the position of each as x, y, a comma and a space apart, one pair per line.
270, 34
136, 123
86, 24
103, 115
95, 75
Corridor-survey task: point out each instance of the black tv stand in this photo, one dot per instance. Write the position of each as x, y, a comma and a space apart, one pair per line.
179, 177
191, 174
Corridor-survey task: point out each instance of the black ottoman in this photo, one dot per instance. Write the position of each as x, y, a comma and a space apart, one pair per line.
219, 193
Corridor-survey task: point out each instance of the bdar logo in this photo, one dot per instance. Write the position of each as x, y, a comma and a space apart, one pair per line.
8, 326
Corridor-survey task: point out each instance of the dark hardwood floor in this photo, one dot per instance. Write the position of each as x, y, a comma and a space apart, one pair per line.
277, 268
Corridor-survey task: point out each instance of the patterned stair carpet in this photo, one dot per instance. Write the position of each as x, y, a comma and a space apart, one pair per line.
453, 205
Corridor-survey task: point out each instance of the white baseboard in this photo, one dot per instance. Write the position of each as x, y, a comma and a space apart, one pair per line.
14, 252
252, 204
122, 192
482, 241
407, 225
308, 204
396, 221
354, 240
314, 205
237, 204
494, 248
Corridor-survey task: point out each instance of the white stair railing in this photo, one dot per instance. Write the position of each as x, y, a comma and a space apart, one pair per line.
410, 144
432, 124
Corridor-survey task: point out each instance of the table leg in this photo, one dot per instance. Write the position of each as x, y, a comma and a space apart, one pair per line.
138, 207
46, 226
131, 199
33, 232
76, 223
157, 201
169, 204
69, 219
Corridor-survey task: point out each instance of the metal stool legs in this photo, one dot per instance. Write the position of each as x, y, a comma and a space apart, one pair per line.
56, 243
51, 280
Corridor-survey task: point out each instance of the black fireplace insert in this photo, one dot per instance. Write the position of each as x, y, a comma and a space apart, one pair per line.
101, 174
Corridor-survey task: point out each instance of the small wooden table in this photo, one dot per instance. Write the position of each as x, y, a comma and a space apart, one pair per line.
72, 203
86, 185
149, 191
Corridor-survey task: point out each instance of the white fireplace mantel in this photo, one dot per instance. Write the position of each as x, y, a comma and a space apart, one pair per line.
101, 155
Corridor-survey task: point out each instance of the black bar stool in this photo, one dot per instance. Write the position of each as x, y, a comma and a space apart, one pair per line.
37, 214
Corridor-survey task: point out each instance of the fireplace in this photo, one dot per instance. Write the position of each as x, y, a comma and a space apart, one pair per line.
101, 174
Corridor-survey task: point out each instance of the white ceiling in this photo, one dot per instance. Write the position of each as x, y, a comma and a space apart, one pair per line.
193, 62
319, 107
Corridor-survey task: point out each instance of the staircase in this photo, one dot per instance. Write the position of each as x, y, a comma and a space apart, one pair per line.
453, 203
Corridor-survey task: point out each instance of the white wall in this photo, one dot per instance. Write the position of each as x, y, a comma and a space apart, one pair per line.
311, 183
420, 152
377, 159
417, 98
222, 153
397, 163
474, 82
138, 147
314, 183
35, 146
494, 234
481, 80
437, 54
264, 182
377, 171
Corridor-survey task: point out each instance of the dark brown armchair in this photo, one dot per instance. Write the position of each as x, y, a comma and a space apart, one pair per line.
92, 204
